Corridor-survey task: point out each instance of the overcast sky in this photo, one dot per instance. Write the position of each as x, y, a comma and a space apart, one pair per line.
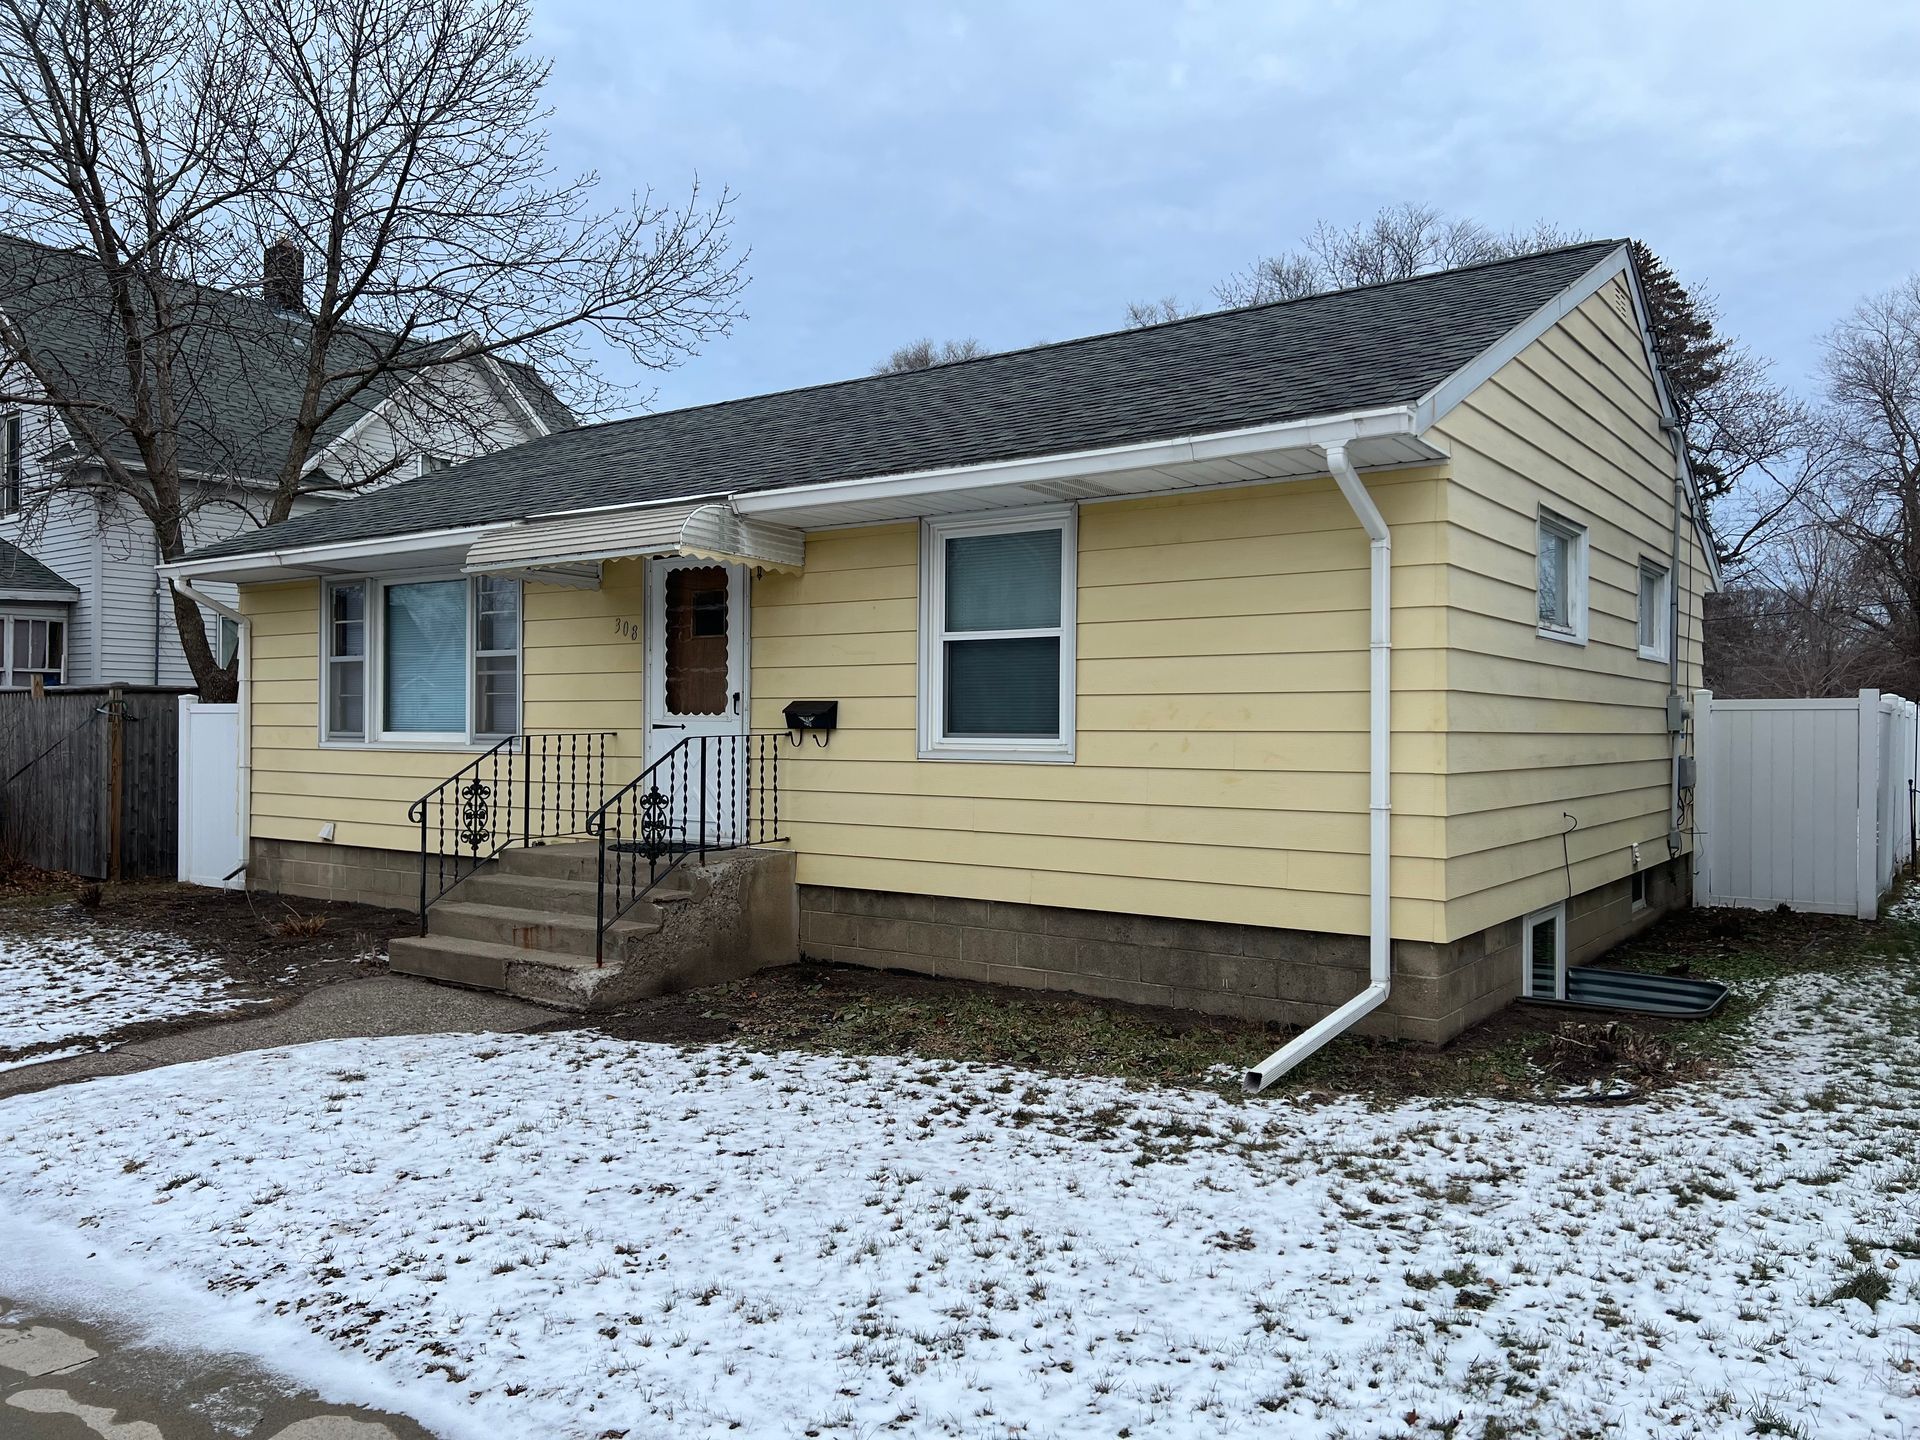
1019, 172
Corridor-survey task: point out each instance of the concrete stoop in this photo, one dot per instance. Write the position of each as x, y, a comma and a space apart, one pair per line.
525, 926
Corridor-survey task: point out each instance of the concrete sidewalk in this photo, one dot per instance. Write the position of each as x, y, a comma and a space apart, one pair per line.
388, 1005
63, 1380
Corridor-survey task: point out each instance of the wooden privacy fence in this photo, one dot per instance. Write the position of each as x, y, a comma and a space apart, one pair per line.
89, 779
1803, 803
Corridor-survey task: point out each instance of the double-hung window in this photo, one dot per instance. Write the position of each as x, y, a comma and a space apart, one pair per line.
1656, 611
1561, 578
997, 637
34, 647
422, 661
11, 464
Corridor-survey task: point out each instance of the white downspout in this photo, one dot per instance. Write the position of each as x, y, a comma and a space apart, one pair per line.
243, 642
1380, 781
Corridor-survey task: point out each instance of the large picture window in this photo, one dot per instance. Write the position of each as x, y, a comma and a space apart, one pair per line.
997, 641
422, 660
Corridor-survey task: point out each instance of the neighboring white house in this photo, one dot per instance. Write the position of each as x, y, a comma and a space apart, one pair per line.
96, 598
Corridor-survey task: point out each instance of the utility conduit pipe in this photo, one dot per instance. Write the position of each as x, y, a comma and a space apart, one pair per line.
1380, 781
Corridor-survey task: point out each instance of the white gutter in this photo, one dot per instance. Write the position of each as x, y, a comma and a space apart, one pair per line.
1380, 783
1312, 433
243, 643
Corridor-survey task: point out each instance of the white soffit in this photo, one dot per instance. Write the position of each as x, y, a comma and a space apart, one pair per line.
561, 549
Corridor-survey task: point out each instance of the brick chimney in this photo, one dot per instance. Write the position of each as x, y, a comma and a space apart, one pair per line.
283, 277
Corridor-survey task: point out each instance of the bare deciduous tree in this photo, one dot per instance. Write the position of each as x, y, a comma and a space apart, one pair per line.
160, 148
1397, 243
925, 354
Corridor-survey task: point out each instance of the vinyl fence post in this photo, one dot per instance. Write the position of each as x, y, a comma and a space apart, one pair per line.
1867, 803
1702, 797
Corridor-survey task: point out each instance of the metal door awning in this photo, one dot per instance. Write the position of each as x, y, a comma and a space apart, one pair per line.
568, 549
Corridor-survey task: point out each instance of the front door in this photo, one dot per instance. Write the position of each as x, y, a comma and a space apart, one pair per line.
697, 681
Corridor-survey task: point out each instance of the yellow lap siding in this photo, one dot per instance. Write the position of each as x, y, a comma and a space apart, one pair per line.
1537, 729
582, 672
1221, 752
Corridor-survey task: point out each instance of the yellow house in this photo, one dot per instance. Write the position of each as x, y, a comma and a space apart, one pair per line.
1317, 661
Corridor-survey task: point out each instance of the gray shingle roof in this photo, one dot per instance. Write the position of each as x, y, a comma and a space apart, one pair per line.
20, 573
245, 361
1232, 369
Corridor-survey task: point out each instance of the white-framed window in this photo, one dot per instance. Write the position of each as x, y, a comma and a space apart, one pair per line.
1655, 627
1637, 890
427, 464
226, 641
997, 636
12, 465
421, 660
1561, 578
33, 646
1543, 953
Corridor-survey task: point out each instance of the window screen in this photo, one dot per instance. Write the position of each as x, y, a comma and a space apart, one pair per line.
1653, 610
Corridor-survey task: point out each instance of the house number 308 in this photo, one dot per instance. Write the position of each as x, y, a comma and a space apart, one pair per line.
627, 629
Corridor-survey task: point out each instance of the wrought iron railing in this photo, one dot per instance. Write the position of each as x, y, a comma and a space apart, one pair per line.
530, 789
708, 793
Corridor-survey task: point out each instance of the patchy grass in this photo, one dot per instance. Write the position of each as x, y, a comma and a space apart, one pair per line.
1520, 1052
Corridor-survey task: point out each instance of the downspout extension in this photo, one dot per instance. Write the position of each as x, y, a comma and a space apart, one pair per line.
1380, 785
243, 640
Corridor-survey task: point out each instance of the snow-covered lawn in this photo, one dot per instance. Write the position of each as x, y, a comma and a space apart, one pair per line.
571, 1236
67, 993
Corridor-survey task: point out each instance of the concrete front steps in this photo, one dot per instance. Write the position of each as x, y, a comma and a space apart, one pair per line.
525, 925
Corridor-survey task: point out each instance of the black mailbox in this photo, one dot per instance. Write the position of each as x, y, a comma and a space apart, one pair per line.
817, 716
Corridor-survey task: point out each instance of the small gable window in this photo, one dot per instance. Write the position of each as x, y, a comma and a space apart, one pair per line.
1656, 612
1561, 578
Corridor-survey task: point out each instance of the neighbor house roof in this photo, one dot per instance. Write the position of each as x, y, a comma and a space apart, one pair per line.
1378, 345
24, 578
245, 360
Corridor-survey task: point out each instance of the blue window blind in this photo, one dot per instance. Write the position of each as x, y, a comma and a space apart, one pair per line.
426, 657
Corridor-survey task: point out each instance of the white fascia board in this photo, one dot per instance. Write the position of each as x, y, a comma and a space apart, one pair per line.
235, 567
1080, 464
1437, 402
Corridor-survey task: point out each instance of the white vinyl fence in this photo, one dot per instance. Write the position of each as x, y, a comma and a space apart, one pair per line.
1803, 803
209, 793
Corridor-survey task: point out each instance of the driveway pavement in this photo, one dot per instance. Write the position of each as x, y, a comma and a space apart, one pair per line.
387, 1005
